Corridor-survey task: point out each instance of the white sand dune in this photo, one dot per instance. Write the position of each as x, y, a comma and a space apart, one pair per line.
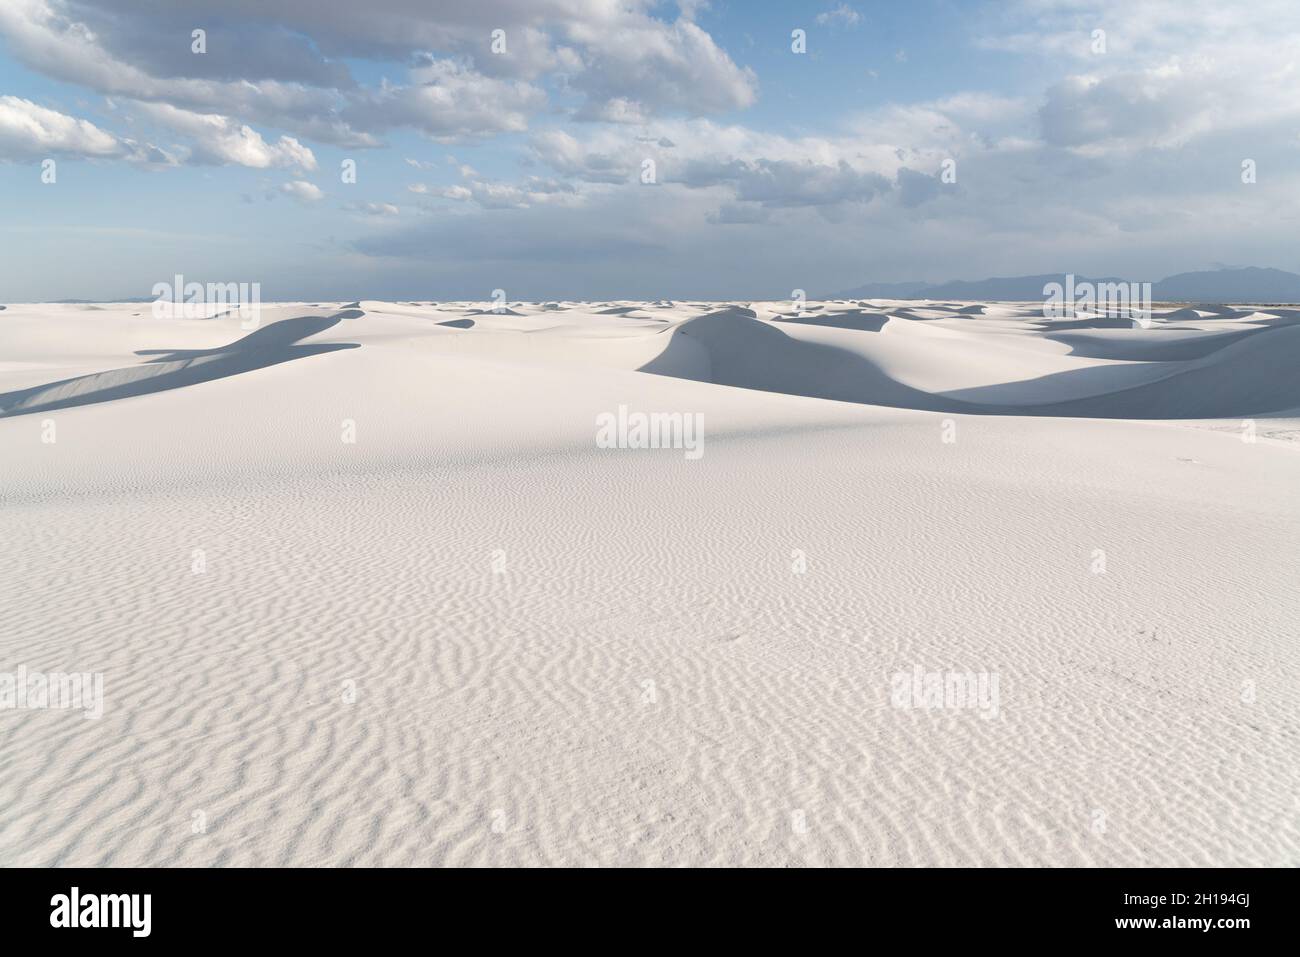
472, 636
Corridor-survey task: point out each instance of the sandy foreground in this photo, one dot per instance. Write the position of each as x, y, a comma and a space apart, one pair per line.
364, 586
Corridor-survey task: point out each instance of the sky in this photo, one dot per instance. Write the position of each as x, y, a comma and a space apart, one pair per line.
630, 149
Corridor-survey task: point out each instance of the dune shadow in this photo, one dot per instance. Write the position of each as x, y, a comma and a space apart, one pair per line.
1091, 322
1252, 376
858, 320
1249, 376
268, 338
748, 353
178, 368
1140, 350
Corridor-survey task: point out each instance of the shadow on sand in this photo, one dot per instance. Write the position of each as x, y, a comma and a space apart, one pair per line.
1242, 376
177, 368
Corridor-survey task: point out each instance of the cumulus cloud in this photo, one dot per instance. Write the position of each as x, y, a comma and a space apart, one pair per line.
533, 191
51, 36
1157, 107
1155, 75
219, 140
565, 154
915, 188
447, 102
784, 183
374, 209
302, 191
647, 67
29, 131
764, 169
283, 63
841, 15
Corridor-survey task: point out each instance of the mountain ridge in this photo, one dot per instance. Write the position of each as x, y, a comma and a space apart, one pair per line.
1248, 284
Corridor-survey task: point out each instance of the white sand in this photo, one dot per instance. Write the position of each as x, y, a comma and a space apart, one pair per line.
565, 654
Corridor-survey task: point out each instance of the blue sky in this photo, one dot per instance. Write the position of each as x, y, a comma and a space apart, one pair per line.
523, 169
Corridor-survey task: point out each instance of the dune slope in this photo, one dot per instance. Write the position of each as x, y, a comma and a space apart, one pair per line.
363, 588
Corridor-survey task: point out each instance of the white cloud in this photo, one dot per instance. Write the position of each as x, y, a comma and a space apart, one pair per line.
50, 36
566, 155
915, 188
1160, 107
283, 63
785, 183
30, 131
302, 191
448, 102
374, 209
220, 140
646, 67
534, 191
839, 15
775, 171
1158, 74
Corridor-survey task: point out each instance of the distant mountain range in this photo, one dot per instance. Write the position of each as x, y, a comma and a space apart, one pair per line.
1249, 284
87, 302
